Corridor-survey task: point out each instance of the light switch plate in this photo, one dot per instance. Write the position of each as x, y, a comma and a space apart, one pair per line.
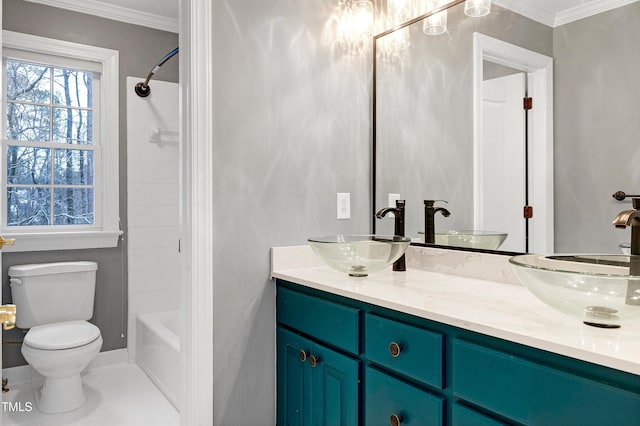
344, 205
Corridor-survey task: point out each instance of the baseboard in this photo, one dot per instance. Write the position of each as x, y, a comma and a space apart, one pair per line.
26, 374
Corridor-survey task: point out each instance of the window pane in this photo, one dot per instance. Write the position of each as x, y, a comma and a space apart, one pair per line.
73, 167
27, 82
73, 206
27, 165
28, 122
28, 206
72, 88
73, 126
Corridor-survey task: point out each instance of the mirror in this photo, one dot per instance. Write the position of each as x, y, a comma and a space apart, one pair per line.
426, 129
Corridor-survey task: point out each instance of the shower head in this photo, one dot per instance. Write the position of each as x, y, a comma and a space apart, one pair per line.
142, 89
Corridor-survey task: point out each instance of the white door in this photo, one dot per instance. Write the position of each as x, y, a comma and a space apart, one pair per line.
503, 183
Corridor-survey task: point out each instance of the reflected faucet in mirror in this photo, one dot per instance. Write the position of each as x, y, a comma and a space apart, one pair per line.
430, 219
631, 218
398, 228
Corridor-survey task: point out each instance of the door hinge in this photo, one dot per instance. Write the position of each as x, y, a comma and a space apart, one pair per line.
528, 212
528, 103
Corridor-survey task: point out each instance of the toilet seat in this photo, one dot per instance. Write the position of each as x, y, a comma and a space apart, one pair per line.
61, 335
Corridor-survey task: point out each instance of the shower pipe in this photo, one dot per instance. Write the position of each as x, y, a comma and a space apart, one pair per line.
142, 89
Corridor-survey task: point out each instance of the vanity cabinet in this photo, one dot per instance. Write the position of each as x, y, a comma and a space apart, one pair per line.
376, 366
319, 386
316, 384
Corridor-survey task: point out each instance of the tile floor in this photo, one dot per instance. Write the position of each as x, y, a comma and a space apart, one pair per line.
120, 395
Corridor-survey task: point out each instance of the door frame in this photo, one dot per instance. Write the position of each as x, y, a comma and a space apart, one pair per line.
539, 69
196, 211
1, 299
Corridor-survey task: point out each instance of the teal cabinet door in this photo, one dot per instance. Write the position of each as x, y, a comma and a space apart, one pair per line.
316, 385
392, 401
294, 379
334, 392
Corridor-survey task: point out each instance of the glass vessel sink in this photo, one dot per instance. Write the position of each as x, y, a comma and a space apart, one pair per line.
487, 240
601, 290
359, 255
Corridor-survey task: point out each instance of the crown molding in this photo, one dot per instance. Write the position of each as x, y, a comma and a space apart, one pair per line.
588, 9
532, 10
116, 13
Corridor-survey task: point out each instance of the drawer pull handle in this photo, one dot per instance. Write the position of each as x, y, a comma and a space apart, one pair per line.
395, 349
314, 360
302, 355
395, 420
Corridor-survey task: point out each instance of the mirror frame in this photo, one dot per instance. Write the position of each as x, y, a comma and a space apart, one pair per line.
374, 132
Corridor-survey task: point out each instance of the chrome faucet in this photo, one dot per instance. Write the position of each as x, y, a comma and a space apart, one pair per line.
631, 218
430, 219
398, 228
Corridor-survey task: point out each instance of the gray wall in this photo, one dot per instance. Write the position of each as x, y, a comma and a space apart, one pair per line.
291, 129
140, 48
425, 115
596, 127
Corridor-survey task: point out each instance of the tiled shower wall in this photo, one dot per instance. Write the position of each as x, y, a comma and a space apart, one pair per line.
152, 201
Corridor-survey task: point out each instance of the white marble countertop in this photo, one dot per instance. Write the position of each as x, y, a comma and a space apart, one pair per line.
500, 309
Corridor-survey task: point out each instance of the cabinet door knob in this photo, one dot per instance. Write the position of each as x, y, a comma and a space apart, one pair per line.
394, 349
302, 355
395, 420
314, 360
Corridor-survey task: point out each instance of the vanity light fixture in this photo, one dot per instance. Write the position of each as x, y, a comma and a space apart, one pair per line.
435, 24
389, 14
477, 8
350, 28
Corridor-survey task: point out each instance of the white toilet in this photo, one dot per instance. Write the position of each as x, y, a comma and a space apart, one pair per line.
54, 301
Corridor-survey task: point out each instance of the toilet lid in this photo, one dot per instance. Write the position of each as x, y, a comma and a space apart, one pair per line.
61, 335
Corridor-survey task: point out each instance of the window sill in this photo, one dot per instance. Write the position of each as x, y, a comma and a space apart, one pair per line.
62, 240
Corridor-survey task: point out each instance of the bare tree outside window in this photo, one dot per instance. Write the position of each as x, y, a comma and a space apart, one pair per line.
50, 157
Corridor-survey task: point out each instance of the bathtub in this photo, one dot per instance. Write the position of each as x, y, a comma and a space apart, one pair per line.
158, 351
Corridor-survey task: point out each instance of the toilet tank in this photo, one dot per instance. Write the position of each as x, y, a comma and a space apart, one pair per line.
45, 293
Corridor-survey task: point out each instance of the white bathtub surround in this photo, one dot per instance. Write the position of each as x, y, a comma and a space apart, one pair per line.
106, 405
498, 309
158, 351
152, 202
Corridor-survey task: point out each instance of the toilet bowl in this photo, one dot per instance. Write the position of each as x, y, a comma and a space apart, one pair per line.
54, 302
60, 352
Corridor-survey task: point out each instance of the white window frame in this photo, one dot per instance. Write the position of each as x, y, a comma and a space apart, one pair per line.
106, 230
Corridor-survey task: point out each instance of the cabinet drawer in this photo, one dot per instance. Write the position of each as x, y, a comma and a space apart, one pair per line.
386, 396
420, 351
464, 416
534, 394
326, 321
